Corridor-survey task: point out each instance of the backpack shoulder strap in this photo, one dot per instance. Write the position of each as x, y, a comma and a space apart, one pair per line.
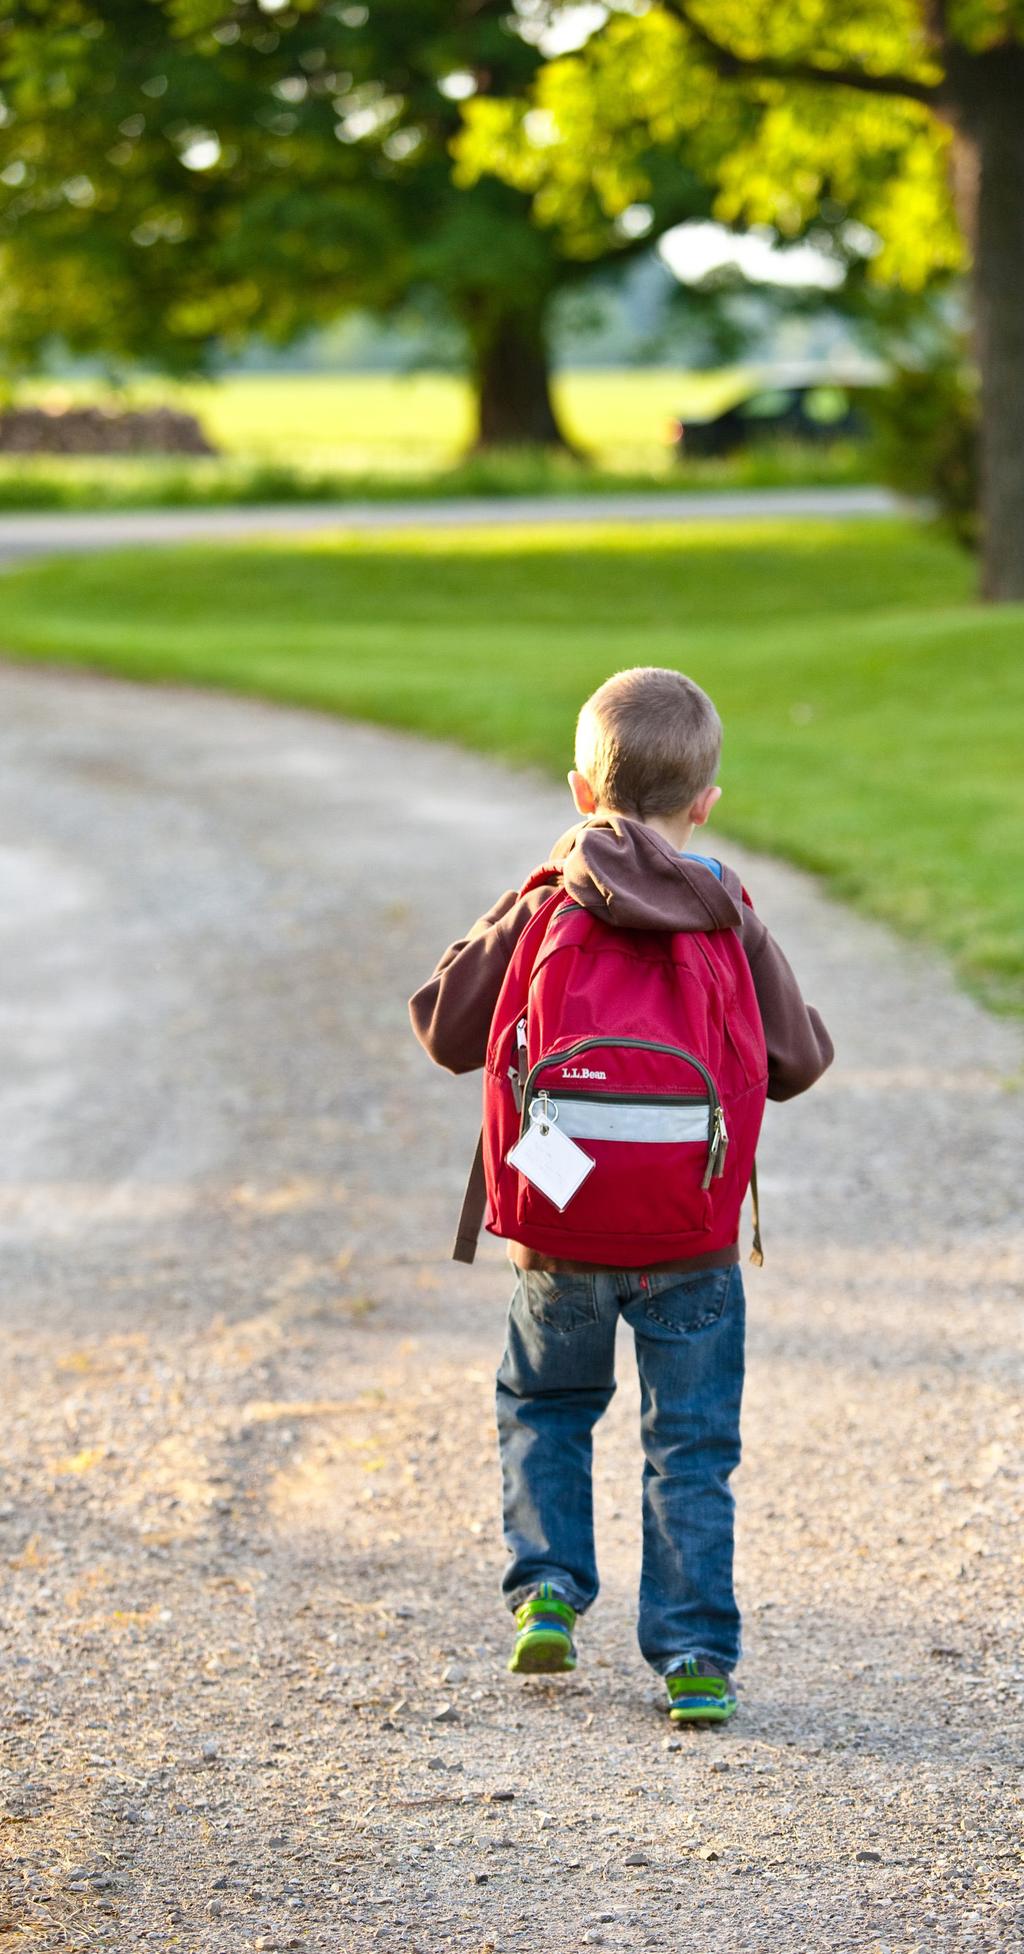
474, 1203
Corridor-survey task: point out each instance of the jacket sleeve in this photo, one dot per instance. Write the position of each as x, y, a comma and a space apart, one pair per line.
451, 1014
799, 1047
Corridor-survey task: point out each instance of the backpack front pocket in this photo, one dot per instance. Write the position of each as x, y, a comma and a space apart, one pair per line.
655, 1150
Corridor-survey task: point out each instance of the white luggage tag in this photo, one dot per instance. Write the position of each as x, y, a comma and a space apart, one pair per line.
548, 1159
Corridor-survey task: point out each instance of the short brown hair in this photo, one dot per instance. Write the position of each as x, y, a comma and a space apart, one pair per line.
649, 741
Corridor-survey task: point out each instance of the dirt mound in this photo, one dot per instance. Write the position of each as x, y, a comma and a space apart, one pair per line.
87, 430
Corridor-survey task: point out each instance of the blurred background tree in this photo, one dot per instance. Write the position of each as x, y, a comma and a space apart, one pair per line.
962, 61
889, 125
183, 176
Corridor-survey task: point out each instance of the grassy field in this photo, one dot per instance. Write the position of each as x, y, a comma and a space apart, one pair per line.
425, 419
381, 436
416, 422
871, 709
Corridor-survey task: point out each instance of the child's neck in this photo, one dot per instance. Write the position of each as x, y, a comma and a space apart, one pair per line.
676, 830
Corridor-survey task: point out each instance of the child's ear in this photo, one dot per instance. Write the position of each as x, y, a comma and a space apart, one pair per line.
703, 805
582, 793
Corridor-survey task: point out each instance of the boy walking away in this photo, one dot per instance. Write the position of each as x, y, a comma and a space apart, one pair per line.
631, 1013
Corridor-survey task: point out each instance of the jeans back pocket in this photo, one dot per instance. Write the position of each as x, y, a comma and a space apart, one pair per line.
680, 1304
560, 1302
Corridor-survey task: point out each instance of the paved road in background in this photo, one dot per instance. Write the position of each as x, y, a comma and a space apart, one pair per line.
252, 1684
47, 535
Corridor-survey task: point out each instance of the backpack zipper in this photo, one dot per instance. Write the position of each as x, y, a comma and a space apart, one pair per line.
631, 1098
719, 1138
517, 1072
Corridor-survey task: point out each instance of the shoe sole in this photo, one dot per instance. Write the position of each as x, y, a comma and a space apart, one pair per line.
545, 1653
703, 1714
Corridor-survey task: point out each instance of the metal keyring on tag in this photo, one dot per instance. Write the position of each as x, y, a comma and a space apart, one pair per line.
542, 1113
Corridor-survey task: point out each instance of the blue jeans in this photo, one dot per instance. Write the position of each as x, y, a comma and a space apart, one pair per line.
556, 1378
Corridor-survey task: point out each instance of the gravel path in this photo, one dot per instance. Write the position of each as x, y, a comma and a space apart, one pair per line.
44, 534
253, 1684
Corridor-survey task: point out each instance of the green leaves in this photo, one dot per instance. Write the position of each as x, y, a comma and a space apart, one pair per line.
587, 141
650, 112
179, 173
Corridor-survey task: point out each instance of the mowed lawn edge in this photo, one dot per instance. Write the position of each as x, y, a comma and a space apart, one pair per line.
871, 707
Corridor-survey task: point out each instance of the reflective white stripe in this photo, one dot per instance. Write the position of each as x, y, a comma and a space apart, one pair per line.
634, 1119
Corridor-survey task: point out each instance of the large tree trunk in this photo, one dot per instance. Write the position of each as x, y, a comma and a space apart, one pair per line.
511, 376
989, 125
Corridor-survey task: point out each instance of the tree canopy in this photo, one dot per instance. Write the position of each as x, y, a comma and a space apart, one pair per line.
181, 175
892, 129
602, 128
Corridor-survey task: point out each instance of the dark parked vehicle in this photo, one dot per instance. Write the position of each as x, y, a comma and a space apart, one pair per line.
811, 412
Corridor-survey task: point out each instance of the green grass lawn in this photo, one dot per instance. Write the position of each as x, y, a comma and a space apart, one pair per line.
153, 481
871, 709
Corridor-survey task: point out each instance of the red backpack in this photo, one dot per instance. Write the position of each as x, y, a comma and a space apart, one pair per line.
645, 1048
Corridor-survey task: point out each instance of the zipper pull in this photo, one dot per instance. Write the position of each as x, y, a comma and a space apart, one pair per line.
716, 1149
517, 1090
522, 1062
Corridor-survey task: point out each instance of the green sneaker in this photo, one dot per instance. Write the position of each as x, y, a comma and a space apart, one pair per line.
700, 1692
544, 1645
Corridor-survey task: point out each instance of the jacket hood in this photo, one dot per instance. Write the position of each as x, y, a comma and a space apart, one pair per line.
633, 878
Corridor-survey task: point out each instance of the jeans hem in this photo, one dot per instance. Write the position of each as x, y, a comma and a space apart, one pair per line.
563, 1589
663, 1665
